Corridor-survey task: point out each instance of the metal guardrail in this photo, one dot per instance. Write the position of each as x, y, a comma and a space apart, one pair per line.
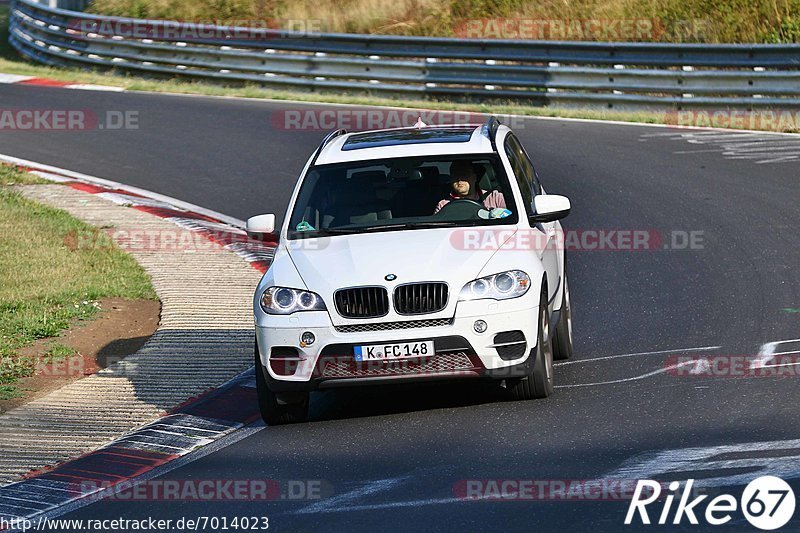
574, 74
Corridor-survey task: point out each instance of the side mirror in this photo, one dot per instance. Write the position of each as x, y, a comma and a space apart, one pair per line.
549, 207
261, 224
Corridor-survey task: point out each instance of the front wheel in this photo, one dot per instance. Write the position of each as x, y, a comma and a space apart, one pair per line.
276, 410
539, 382
562, 336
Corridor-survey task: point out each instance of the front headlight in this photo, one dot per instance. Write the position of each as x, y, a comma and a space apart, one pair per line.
502, 286
285, 301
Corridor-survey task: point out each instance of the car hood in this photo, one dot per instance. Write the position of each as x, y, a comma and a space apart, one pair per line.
331, 263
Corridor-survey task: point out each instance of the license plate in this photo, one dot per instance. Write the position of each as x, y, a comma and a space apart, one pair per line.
403, 350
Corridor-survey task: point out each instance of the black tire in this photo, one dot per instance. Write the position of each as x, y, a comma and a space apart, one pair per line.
276, 410
539, 383
562, 336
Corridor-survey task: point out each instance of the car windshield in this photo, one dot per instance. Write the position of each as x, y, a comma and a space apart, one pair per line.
402, 193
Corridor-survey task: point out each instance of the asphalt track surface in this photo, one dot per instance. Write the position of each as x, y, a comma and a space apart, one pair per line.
390, 458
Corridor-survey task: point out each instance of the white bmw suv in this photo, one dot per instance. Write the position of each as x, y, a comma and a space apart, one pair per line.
412, 254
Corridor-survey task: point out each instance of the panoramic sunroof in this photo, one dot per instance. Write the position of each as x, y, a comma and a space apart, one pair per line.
394, 137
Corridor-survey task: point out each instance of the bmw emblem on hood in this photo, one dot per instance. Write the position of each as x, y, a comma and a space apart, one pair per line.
390, 277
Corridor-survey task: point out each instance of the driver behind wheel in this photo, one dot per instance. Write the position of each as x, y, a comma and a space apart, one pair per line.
463, 186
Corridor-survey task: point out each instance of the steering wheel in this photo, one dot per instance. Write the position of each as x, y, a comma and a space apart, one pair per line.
461, 208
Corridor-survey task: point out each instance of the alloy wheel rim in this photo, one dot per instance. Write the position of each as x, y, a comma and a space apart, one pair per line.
568, 311
546, 350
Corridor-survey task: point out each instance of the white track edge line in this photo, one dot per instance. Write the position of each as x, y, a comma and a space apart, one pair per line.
536, 117
618, 356
228, 440
234, 436
94, 180
118, 89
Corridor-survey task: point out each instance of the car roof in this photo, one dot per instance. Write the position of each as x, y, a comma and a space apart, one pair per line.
406, 142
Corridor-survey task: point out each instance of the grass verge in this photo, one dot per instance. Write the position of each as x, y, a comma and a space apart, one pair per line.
711, 21
48, 284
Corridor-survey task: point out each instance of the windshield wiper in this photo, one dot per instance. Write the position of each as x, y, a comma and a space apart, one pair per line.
411, 225
323, 232
326, 232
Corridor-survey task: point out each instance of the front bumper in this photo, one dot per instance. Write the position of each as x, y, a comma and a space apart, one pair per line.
460, 351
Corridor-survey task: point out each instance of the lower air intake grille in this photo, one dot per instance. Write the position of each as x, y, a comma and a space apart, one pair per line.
382, 326
514, 344
350, 368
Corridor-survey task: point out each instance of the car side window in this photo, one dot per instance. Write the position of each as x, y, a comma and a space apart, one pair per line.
528, 168
523, 170
531, 170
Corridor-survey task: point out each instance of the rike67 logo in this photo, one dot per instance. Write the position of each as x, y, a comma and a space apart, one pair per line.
767, 503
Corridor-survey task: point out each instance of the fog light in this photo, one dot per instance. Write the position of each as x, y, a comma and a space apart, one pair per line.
307, 339
479, 326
